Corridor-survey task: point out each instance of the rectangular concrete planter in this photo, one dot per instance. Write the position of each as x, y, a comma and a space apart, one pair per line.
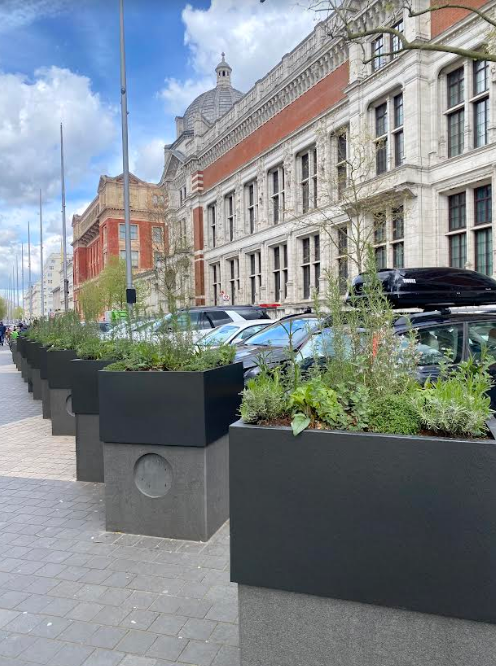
45, 390
166, 450
169, 408
58, 365
33, 358
89, 448
354, 525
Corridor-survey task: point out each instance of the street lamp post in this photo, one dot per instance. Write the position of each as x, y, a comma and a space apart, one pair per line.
29, 276
130, 290
42, 281
64, 228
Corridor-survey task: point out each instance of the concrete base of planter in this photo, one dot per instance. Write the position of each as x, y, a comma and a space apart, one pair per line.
176, 492
289, 629
89, 448
17, 357
63, 420
36, 384
45, 399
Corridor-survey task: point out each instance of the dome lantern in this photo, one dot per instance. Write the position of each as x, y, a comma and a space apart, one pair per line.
223, 71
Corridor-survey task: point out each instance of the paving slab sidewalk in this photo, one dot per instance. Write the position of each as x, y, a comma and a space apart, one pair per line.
72, 594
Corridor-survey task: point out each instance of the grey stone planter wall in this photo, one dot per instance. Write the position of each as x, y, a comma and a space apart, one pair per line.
166, 450
349, 519
89, 448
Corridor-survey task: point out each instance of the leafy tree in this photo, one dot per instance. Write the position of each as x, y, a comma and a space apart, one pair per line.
3, 308
18, 312
90, 298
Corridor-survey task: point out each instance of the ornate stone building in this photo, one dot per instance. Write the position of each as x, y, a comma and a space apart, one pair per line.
260, 182
99, 232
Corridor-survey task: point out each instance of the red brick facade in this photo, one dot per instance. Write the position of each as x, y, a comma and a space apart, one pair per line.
444, 18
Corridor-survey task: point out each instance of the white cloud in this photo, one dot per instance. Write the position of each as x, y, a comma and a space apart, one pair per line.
30, 114
147, 160
18, 13
254, 37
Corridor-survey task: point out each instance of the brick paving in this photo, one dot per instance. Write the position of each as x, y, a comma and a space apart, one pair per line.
72, 594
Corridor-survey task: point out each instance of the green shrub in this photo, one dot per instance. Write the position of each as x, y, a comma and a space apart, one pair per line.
457, 403
394, 414
314, 401
264, 398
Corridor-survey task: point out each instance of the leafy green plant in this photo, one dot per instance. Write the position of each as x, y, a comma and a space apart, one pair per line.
313, 402
457, 402
264, 398
396, 414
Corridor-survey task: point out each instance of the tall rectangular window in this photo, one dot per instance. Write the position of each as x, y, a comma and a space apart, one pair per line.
378, 53
396, 43
484, 251
216, 282
380, 257
280, 272
399, 255
308, 182
134, 257
233, 279
310, 264
381, 128
456, 123
457, 208
133, 230
456, 87
251, 205
255, 275
379, 221
458, 250
399, 140
483, 205
212, 224
481, 77
158, 235
342, 165
229, 206
276, 193
398, 223
481, 122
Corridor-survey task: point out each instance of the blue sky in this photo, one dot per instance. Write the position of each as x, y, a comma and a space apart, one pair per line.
59, 61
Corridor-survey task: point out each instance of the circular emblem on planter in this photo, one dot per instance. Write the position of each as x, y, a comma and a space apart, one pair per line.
153, 475
68, 405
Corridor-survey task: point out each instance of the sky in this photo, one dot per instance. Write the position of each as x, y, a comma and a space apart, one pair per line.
59, 62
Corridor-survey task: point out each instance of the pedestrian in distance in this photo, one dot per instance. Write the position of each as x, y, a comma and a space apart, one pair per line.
3, 328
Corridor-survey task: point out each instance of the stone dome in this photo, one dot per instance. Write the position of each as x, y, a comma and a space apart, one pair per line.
216, 102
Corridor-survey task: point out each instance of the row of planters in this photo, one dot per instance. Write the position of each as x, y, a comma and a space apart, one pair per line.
150, 420
362, 506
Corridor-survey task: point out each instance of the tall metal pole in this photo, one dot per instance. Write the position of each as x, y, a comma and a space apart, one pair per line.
22, 282
17, 280
64, 230
130, 291
29, 276
13, 293
42, 280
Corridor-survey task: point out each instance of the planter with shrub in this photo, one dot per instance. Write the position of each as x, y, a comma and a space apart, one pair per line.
93, 356
165, 411
22, 347
362, 507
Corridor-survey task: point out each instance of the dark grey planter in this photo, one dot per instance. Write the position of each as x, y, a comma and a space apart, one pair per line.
45, 399
169, 408
348, 519
168, 474
33, 359
58, 365
89, 448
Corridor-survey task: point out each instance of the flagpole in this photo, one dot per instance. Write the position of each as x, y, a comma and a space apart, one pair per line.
130, 290
29, 276
17, 280
42, 281
22, 282
64, 228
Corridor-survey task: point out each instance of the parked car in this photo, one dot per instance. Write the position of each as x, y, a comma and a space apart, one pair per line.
234, 333
273, 345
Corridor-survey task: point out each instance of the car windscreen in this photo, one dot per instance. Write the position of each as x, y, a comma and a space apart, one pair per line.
284, 332
219, 335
